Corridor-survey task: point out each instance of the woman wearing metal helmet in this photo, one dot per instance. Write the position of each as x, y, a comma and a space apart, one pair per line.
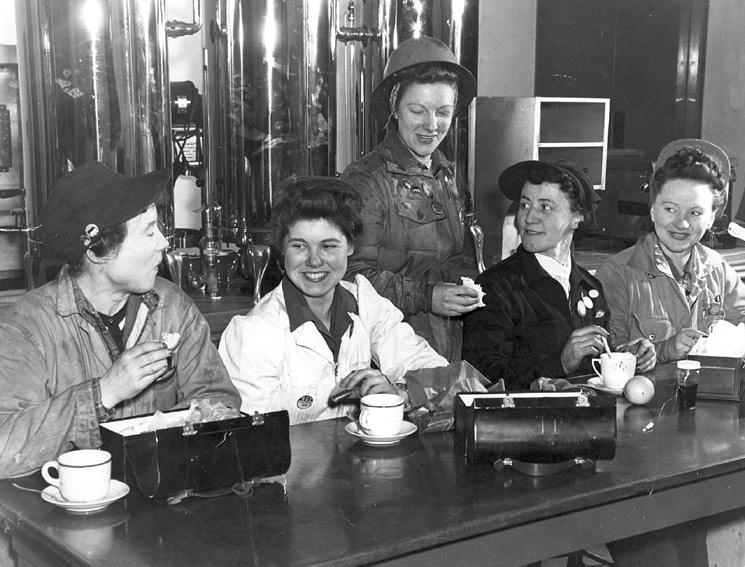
411, 248
668, 287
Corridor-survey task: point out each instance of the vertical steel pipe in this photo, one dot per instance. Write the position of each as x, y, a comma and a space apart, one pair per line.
276, 96
94, 85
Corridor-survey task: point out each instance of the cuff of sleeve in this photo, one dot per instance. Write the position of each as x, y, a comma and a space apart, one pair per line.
428, 290
662, 354
102, 414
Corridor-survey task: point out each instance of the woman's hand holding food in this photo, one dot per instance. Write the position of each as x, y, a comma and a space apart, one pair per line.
451, 300
645, 351
133, 371
585, 341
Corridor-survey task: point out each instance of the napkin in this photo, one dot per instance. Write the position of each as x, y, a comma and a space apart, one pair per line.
725, 339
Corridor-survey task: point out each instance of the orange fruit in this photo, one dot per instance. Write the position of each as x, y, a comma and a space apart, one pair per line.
639, 390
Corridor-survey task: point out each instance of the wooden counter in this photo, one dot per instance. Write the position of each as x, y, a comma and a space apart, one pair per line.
416, 503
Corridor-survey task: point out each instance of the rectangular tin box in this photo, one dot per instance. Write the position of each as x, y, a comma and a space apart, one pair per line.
540, 427
721, 378
199, 457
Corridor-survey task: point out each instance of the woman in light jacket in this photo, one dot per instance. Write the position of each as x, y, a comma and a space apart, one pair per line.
314, 335
668, 287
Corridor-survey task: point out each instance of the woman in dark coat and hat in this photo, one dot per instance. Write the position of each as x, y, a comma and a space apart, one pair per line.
411, 247
545, 316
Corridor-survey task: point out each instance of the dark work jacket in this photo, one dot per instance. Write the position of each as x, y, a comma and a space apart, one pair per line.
412, 235
527, 320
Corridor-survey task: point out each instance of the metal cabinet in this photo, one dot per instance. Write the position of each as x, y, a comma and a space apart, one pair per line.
506, 130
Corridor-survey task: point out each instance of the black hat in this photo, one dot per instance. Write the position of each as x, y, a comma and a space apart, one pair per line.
90, 199
513, 179
412, 53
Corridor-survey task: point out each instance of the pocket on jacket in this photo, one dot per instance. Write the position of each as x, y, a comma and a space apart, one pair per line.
655, 328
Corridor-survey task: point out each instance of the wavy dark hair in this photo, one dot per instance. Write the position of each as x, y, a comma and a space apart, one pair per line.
538, 175
424, 75
313, 198
693, 164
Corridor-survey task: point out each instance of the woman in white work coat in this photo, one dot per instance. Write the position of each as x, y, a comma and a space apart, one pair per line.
315, 335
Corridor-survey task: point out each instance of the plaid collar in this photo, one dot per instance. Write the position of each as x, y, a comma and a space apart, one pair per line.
89, 313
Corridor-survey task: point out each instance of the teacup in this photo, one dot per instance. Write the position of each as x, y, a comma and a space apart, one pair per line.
616, 368
82, 476
381, 415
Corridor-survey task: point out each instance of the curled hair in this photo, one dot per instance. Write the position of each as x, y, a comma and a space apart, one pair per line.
107, 244
539, 175
427, 74
316, 198
693, 164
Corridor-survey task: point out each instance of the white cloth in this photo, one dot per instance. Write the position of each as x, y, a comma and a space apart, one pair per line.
558, 271
276, 369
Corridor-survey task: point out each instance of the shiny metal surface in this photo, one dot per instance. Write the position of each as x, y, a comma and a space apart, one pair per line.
94, 85
292, 82
274, 97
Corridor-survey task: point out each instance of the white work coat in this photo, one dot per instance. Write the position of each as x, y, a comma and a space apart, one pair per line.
274, 368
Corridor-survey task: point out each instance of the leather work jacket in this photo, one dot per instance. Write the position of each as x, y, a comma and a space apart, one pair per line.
413, 234
52, 356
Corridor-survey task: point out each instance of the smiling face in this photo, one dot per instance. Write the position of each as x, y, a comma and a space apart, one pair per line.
315, 260
682, 212
545, 220
424, 113
133, 267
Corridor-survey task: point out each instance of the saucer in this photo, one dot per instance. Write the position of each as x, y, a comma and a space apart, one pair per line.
597, 383
407, 428
117, 490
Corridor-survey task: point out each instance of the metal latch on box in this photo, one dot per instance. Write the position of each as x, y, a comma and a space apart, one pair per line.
582, 401
188, 430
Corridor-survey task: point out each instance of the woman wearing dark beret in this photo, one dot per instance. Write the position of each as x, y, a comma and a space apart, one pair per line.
545, 316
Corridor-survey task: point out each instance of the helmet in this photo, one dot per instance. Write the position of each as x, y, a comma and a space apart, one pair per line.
715, 153
418, 51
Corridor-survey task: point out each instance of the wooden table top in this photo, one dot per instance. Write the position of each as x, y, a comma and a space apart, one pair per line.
345, 503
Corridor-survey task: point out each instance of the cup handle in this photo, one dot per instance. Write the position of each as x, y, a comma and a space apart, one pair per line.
363, 420
45, 472
594, 360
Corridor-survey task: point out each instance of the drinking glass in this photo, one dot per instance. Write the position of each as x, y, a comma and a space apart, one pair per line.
254, 260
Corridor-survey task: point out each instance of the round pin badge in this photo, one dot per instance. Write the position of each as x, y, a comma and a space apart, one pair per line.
304, 402
437, 208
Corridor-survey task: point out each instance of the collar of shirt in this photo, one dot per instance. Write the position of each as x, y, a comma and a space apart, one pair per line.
556, 270
89, 313
399, 153
299, 312
689, 279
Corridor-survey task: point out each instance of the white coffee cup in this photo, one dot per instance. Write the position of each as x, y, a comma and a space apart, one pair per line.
616, 368
82, 476
381, 415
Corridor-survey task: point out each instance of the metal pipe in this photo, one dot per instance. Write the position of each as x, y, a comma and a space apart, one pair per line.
93, 81
175, 28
